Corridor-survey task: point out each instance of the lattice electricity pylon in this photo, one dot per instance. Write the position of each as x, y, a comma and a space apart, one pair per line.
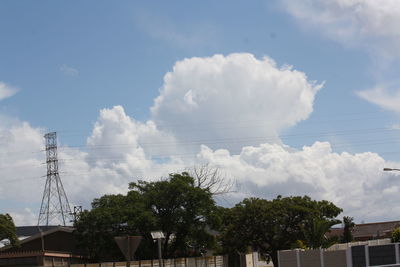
55, 208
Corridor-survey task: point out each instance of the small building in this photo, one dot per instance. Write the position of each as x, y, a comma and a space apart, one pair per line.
369, 231
42, 246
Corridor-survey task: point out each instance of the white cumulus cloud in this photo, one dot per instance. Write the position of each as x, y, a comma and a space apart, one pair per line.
222, 97
203, 99
21, 168
119, 150
112, 158
354, 182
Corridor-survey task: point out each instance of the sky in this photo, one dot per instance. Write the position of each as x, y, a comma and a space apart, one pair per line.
284, 97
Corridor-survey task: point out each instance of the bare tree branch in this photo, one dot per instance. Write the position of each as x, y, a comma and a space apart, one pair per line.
212, 179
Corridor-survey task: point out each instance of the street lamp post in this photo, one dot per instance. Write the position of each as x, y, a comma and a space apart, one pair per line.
390, 169
158, 235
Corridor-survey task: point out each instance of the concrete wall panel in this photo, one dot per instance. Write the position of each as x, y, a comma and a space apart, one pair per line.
288, 258
310, 258
335, 258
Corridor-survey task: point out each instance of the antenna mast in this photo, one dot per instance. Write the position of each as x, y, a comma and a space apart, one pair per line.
55, 207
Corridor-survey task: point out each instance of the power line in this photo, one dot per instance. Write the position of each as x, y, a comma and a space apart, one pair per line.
243, 140
79, 174
240, 139
257, 121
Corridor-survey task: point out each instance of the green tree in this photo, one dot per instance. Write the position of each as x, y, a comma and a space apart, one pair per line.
269, 226
184, 212
96, 229
315, 233
347, 230
396, 235
110, 216
7, 229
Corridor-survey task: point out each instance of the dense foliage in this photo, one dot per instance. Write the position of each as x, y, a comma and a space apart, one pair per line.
7, 229
315, 233
183, 211
347, 230
268, 226
192, 223
396, 235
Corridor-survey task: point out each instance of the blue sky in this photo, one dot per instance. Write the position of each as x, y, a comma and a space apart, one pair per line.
121, 56
120, 53
70, 59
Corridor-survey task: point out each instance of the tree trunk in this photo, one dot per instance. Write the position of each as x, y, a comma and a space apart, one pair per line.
165, 252
274, 257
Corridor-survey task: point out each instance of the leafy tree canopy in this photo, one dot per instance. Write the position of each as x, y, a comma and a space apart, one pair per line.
183, 211
7, 229
396, 235
269, 226
315, 233
348, 228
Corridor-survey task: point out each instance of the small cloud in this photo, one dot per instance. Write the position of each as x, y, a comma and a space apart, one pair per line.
186, 36
395, 127
6, 90
367, 23
68, 71
383, 96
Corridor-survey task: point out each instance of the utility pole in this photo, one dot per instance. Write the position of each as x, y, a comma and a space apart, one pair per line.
55, 206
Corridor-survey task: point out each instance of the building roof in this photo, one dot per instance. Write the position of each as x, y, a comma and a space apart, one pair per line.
32, 230
335, 232
376, 230
40, 233
368, 230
